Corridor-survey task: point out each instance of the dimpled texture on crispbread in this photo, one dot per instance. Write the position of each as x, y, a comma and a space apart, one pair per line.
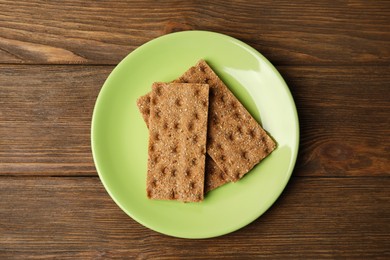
177, 141
214, 176
236, 142
143, 104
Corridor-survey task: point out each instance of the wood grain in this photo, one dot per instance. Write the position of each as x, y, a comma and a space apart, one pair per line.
55, 56
314, 218
103, 32
45, 119
344, 116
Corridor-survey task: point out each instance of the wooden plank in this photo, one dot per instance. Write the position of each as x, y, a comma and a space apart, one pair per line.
344, 115
103, 32
45, 119
74, 217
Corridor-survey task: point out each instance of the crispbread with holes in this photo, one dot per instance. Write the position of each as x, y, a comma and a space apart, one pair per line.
236, 142
214, 177
177, 141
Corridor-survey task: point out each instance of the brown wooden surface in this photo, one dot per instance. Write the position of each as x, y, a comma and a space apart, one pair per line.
68, 217
55, 56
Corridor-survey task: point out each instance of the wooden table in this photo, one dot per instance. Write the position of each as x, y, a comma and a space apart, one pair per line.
55, 56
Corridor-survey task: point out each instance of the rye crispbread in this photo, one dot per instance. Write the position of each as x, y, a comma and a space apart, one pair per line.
214, 176
177, 141
235, 141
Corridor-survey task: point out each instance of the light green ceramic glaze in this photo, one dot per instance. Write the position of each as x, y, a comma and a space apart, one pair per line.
120, 137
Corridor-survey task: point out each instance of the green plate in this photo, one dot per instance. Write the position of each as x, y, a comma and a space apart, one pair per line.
120, 137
